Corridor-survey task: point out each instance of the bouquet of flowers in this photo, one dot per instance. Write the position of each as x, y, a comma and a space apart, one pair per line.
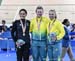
20, 42
52, 38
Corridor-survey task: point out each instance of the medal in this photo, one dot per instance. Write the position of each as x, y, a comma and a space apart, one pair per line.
49, 28
23, 27
50, 25
39, 23
23, 34
38, 26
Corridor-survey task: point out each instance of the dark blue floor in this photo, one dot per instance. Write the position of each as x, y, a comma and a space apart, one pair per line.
11, 56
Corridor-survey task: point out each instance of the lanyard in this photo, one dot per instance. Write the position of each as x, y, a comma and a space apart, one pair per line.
49, 28
50, 25
23, 27
39, 23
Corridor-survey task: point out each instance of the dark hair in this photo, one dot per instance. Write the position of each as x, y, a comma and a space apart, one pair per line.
39, 7
73, 25
65, 21
23, 10
3, 21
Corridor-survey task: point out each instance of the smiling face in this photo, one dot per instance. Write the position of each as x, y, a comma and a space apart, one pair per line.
52, 14
22, 13
39, 11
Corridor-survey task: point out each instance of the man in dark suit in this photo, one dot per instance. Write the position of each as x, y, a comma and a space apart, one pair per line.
20, 35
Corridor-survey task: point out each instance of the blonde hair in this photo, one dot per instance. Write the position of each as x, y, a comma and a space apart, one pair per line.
53, 10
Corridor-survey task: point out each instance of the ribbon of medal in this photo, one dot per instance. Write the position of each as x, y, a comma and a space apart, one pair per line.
23, 27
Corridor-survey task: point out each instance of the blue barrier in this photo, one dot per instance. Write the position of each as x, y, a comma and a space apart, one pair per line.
7, 44
7, 41
11, 43
6, 34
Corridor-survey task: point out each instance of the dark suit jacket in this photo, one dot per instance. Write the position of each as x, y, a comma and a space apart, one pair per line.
17, 31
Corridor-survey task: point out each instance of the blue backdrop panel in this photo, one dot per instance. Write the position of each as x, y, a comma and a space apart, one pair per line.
7, 44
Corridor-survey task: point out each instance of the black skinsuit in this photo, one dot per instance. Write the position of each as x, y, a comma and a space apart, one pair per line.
17, 33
